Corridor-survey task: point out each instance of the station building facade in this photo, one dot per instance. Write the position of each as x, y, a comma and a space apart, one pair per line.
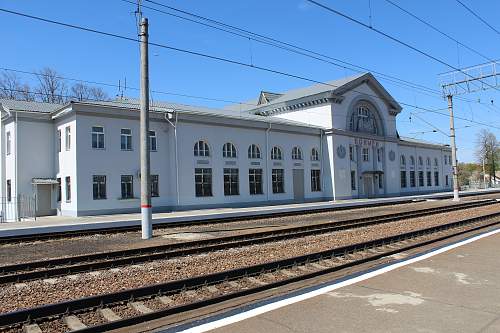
324, 142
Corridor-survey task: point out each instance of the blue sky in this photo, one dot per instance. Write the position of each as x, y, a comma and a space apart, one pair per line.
32, 45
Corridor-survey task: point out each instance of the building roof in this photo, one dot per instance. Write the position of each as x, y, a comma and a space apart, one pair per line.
13, 105
160, 106
423, 142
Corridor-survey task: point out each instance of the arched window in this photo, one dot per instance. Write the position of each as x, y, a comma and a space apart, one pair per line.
229, 150
296, 153
420, 161
428, 161
201, 149
412, 161
276, 154
403, 161
253, 151
436, 162
314, 155
363, 119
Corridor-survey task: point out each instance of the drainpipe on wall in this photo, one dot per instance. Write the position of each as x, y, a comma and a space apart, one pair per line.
267, 162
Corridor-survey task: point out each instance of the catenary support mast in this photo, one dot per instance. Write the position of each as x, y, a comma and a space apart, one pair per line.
146, 207
453, 149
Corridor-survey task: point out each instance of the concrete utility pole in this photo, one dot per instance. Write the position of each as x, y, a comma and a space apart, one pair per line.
453, 149
146, 207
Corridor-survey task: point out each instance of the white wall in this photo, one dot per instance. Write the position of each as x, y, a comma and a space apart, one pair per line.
67, 165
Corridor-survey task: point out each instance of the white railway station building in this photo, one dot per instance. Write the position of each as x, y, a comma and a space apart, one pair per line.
323, 142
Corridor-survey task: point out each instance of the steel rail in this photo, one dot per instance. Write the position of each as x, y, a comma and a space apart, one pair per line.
112, 230
71, 265
94, 302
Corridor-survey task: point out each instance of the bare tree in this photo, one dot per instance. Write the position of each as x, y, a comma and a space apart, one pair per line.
487, 150
51, 88
98, 94
26, 94
80, 92
10, 86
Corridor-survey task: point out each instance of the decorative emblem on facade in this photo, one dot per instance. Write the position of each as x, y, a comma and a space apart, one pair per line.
341, 151
392, 156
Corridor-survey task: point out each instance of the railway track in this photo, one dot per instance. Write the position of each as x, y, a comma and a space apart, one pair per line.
114, 230
50, 268
125, 308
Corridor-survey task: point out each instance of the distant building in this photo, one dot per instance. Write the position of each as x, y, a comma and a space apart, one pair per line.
323, 142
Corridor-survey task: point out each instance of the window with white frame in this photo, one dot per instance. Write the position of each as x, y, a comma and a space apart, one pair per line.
97, 137
403, 179
253, 151
351, 153
99, 187
314, 155
436, 178
68, 189
201, 149
428, 161
153, 141
412, 179
365, 154
420, 161
127, 186
255, 181
231, 181
278, 180
9, 190
420, 178
203, 182
379, 154
59, 190
68, 137
126, 139
276, 153
436, 162
229, 150
429, 178
402, 161
315, 180
296, 153
353, 180
7, 143
155, 186
59, 140
412, 161
445, 159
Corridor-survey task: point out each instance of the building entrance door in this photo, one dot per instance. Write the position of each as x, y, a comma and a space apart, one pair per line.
44, 200
298, 184
368, 186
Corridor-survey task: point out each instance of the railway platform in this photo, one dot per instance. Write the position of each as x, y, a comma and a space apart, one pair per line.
51, 224
454, 288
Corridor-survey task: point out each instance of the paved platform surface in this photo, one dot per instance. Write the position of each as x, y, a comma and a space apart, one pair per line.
455, 291
65, 223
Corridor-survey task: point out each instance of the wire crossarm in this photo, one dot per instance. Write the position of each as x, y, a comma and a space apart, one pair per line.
471, 79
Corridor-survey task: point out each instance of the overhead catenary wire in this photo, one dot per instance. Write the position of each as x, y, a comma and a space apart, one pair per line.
478, 16
231, 61
394, 39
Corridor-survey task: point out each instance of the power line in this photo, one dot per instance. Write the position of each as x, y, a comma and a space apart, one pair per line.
478, 17
230, 61
438, 30
394, 39
111, 85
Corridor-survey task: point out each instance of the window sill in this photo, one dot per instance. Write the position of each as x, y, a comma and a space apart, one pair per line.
97, 199
93, 148
128, 199
126, 149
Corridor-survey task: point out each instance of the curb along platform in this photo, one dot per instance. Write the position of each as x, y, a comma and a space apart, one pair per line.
64, 224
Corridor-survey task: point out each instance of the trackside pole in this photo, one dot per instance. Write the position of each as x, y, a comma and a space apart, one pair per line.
453, 149
146, 207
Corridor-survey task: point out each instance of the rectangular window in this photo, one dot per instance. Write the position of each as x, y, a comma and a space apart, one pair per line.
403, 179
366, 155
380, 181
446, 180
68, 137
379, 155
278, 180
353, 180
429, 178
152, 140
420, 178
99, 187
127, 186
203, 182
59, 190
231, 181
315, 181
59, 141
155, 186
126, 139
436, 178
351, 153
68, 189
9, 191
7, 144
255, 181
412, 179
97, 137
